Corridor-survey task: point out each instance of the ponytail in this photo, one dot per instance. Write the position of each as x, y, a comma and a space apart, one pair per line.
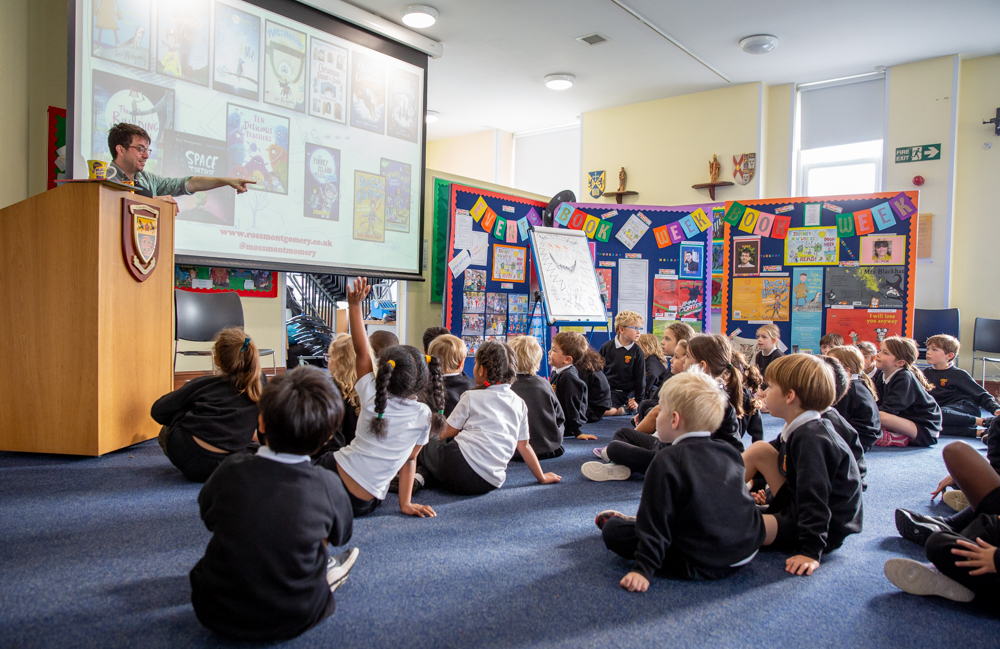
867, 380
436, 394
905, 349
753, 381
377, 426
238, 359
589, 362
717, 354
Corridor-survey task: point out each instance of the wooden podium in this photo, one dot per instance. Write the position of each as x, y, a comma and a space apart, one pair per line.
85, 348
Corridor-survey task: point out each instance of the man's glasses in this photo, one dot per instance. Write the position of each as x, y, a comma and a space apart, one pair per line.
142, 149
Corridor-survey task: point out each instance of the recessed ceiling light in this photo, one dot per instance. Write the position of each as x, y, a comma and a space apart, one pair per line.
759, 43
432, 116
419, 16
560, 81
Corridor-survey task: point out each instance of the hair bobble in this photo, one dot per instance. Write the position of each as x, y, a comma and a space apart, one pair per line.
391, 363
427, 358
246, 345
730, 366
486, 383
380, 415
441, 411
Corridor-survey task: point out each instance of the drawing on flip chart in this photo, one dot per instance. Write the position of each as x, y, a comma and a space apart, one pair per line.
567, 276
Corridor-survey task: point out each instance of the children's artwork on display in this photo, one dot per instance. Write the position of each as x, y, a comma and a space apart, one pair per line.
692, 256
258, 148
865, 287
367, 93
604, 283
566, 273
517, 324
209, 279
746, 346
369, 206
327, 81
807, 290
397, 195
496, 303
746, 256
871, 325
475, 280
509, 263
760, 299
322, 183
284, 67
193, 155
182, 34
678, 299
237, 52
882, 250
496, 325
120, 99
404, 105
632, 231
474, 302
472, 324
122, 32
472, 344
497, 339
517, 303
812, 246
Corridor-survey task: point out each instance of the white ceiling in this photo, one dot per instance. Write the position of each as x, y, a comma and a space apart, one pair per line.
497, 51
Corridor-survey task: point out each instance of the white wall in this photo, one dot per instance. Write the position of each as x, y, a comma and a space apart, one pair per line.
548, 162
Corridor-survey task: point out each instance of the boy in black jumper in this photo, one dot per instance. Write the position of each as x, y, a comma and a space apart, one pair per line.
451, 351
696, 519
812, 473
625, 364
546, 421
959, 396
571, 390
266, 574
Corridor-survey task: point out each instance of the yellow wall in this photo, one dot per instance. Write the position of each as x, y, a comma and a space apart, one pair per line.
13, 101
472, 156
665, 145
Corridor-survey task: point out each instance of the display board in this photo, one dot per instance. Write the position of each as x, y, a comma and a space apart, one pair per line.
812, 266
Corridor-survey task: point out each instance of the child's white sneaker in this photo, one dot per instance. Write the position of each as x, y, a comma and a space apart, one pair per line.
338, 567
599, 472
924, 579
955, 499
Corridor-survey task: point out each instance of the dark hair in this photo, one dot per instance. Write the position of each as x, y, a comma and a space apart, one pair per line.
499, 361
430, 333
833, 340
717, 353
382, 339
121, 135
301, 410
574, 345
752, 382
404, 372
841, 379
237, 358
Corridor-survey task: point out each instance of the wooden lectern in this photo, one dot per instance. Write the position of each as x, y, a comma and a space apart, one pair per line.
85, 348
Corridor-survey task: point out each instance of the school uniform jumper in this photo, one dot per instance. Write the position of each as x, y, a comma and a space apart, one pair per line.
656, 375
546, 421
850, 436
572, 394
625, 367
859, 409
598, 395
263, 576
960, 399
696, 519
762, 360
752, 425
986, 526
455, 385
903, 396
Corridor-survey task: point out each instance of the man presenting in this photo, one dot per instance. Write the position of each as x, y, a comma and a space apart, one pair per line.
129, 145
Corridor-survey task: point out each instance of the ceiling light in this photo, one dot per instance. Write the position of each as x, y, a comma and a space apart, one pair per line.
559, 81
419, 16
759, 43
432, 116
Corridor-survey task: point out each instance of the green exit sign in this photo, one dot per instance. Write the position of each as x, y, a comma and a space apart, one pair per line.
918, 153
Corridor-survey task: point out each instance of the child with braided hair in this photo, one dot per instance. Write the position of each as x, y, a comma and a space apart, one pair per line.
393, 425
470, 457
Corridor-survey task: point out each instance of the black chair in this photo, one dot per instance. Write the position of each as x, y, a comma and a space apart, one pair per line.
199, 317
985, 338
931, 322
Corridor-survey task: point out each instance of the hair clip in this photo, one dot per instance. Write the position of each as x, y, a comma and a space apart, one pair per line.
428, 358
391, 363
380, 415
246, 345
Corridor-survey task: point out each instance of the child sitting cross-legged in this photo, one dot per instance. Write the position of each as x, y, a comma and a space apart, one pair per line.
767, 340
546, 421
812, 473
343, 370
266, 574
470, 457
908, 414
847, 432
624, 364
858, 406
696, 519
958, 395
572, 392
678, 357
451, 352
656, 364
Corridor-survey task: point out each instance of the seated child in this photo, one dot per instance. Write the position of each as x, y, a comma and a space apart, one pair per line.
958, 395
963, 561
909, 415
571, 390
342, 365
674, 334
489, 423
380, 340
751, 422
767, 340
393, 425
696, 519
812, 473
829, 341
430, 333
210, 417
858, 406
590, 366
679, 352
545, 416
451, 352
266, 575
624, 364
847, 432
656, 365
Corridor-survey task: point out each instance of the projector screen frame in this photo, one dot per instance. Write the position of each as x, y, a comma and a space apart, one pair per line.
329, 24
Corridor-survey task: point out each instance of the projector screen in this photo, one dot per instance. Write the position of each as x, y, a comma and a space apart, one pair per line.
325, 116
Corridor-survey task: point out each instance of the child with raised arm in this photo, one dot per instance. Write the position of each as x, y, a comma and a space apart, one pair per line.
811, 472
624, 364
489, 423
958, 395
908, 413
546, 421
266, 574
451, 352
696, 519
393, 425
571, 389
858, 406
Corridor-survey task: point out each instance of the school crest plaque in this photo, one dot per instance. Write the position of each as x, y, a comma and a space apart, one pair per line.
140, 238
595, 183
744, 167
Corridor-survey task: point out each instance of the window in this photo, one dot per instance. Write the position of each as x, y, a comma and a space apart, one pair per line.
846, 169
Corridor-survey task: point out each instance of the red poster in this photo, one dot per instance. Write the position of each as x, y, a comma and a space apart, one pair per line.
604, 283
871, 325
677, 298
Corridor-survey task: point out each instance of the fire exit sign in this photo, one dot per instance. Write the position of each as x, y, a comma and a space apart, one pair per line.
918, 153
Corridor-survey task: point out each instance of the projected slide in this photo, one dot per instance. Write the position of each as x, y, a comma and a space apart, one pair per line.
331, 131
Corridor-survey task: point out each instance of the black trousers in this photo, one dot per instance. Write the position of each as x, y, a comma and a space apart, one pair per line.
620, 537
985, 526
619, 398
541, 456
959, 419
195, 462
359, 506
644, 407
442, 463
633, 449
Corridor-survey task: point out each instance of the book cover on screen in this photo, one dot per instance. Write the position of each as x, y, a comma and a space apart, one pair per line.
237, 52
322, 183
284, 67
327, 81
369, 206
397, 195
257, 148
404, 105
121, 99
121, 31
185, 154
182, 38
367, 93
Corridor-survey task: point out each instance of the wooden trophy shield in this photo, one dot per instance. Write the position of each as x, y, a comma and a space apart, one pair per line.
140, 238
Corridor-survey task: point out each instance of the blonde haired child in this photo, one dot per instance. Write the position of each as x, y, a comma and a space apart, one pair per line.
908, 413
656, 364
767, 340
624, 364
342, 364
858, 407
546, 421
451, 351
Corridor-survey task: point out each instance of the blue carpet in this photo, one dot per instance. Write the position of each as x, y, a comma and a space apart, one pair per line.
95, 553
